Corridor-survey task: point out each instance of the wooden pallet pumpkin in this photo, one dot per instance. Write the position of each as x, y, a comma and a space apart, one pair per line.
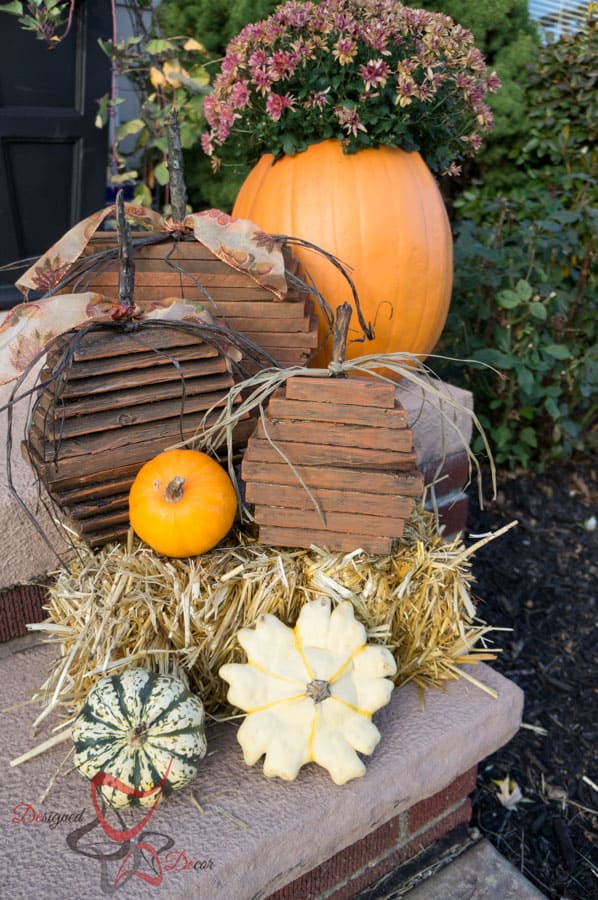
348, 441
124, 396
287, 331
331, 461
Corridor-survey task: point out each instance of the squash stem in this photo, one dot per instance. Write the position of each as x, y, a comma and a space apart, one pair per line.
318, 690
174, 489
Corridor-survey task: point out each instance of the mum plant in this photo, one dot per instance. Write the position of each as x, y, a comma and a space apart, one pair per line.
368, 72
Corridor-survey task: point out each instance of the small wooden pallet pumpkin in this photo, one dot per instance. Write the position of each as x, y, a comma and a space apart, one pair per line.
331, 462
348, 440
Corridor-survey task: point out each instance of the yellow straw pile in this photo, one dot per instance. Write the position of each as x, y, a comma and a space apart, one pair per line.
127, 606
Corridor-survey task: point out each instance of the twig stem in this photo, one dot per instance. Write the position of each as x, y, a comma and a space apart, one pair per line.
341, 330
126, 277
176, 175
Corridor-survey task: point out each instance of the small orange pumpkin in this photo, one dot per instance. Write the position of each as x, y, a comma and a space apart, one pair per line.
381, 213
182, 503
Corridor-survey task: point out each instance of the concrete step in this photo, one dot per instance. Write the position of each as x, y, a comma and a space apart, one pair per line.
480, 873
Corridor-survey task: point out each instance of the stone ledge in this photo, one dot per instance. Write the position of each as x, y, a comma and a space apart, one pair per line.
259, 834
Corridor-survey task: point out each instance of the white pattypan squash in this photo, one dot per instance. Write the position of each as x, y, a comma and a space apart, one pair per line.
309, 692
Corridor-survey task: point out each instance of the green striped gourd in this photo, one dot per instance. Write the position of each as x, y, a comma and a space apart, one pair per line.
134, 726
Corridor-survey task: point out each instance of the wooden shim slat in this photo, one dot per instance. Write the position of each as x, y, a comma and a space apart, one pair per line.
189, 248
101, 506
108, 536
283, 358
153, 411
297, 537
376, 417
88, 269
350, 502
288, 341
354, 391
117, 519
173, 280
118, 381
99, 344
376, 526
192, 292
268, 325
338, 435
264, 310
112, 484
102, 241
325, 455
136, 396
67, 478
86, 447
405, 484
124, 363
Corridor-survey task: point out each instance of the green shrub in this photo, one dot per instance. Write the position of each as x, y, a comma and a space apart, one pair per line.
525, 304
526, 297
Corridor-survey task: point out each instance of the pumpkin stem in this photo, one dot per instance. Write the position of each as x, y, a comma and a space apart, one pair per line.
339, 335
174, 489
318, 690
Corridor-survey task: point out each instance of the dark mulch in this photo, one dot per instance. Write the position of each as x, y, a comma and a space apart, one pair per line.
539, 580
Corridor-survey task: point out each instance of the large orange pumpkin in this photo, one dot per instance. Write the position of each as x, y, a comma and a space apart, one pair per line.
381, 213
182, 503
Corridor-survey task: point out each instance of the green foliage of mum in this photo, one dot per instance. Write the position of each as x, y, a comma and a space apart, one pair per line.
526, 289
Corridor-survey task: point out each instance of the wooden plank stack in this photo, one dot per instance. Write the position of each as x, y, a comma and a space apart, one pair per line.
287, 330
348, 440
125, 396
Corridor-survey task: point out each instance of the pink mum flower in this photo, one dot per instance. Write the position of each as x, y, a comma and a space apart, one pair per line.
349, 120
258, 59
277, 103
262, 80
239, 95
344, 50
282, 65
210, 105
318, 99
493, 83
374, 73
474, 140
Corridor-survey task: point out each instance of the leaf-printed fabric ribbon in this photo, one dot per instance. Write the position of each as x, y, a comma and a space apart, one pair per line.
29, 327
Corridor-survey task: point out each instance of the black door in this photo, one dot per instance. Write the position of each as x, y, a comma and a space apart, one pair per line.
52, 157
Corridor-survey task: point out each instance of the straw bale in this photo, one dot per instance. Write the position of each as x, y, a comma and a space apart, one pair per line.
125, 605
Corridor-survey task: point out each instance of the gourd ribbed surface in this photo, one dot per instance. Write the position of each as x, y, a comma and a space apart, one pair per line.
381, 213
136, 727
